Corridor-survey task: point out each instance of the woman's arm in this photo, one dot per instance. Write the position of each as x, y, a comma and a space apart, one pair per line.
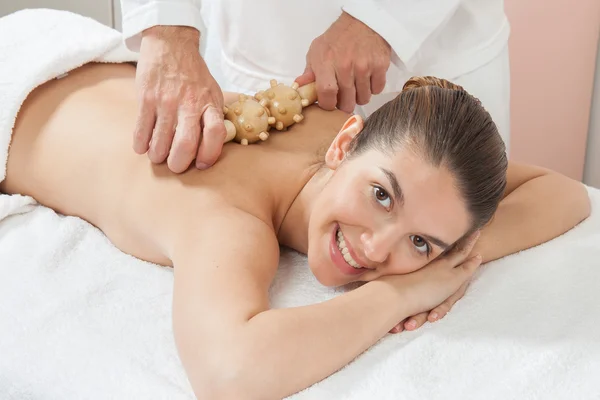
234, 347
538, 205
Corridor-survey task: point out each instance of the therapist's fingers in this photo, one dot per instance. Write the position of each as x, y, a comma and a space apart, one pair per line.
144, 126
213, 136
346, 90
162, 137
185, 143
307, 77
363, 87
347, 99
327, 88
378, 77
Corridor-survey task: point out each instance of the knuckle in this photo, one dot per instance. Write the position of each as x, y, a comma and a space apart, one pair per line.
345, 83
202, 94
193, 97
191, 100
139, 136
157, 156
148, 98
161, 129
212, 154
219, 132
169, 100
442, 311
377, 89
381, 62
344, 65
195, 101
464, 250
161, 152
447, 304
186, 145
361, 68
363, 98
141, 130
327, 88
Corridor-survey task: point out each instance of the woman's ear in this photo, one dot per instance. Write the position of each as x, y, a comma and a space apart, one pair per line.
339, 147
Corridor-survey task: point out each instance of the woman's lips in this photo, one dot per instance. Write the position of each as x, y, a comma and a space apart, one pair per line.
338, 259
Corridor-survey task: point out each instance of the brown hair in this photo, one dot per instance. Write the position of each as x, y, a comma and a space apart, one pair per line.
448, 127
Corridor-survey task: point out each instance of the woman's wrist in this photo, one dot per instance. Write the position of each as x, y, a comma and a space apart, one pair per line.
394, 287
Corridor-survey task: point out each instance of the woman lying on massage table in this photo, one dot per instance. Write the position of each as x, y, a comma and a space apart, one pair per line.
372, 201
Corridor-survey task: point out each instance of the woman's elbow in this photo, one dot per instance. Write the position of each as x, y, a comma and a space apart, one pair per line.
222, 374
576, 200
582, 202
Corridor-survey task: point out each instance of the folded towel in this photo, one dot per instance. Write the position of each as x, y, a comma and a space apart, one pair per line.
81, 320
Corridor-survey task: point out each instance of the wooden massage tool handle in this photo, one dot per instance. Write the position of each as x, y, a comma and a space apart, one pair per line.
249, 119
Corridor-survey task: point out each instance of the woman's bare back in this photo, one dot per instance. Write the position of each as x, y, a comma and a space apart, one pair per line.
72, 151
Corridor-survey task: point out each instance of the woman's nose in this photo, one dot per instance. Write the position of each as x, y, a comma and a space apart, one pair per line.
378, 245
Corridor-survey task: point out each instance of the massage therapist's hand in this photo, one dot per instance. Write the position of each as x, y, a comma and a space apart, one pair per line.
181, 105
348, 63
439, 284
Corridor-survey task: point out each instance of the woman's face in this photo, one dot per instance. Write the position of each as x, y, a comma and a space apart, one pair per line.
381, 215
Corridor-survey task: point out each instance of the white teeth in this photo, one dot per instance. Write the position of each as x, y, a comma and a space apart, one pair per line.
344, 250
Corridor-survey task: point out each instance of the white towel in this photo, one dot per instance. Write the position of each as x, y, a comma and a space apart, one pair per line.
81, 320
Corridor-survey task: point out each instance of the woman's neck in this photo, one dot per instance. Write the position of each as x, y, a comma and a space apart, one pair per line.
293, 231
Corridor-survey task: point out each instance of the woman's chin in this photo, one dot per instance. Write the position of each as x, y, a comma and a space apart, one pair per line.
325, 278
324, 271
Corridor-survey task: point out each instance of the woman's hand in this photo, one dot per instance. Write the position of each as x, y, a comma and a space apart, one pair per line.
416, 321
439, 284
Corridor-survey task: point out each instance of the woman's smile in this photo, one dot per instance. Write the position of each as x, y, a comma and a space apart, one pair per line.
343, 255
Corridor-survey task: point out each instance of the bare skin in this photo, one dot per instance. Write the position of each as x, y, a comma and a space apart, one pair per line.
221, 229
117, 196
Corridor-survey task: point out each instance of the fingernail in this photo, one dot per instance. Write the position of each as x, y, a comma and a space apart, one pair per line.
434, 315
412, 323
202, 165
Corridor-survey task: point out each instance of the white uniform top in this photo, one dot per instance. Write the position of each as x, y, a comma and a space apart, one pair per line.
265, 39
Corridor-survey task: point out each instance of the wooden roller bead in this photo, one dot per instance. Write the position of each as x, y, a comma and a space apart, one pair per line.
249, 119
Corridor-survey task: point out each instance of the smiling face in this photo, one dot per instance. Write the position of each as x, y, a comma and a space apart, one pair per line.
381, 214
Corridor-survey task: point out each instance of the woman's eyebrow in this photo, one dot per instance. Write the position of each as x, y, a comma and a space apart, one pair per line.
438, 242
394, 184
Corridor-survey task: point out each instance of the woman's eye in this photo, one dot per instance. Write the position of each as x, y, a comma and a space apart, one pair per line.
420, 244
382, 196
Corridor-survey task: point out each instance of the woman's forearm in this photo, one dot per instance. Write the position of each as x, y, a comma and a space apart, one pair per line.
281, 351
535, 212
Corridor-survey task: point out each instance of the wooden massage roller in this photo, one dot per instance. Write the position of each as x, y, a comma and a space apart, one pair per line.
249, 119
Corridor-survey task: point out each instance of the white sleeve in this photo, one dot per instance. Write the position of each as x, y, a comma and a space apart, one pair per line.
404, 24
139, 15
